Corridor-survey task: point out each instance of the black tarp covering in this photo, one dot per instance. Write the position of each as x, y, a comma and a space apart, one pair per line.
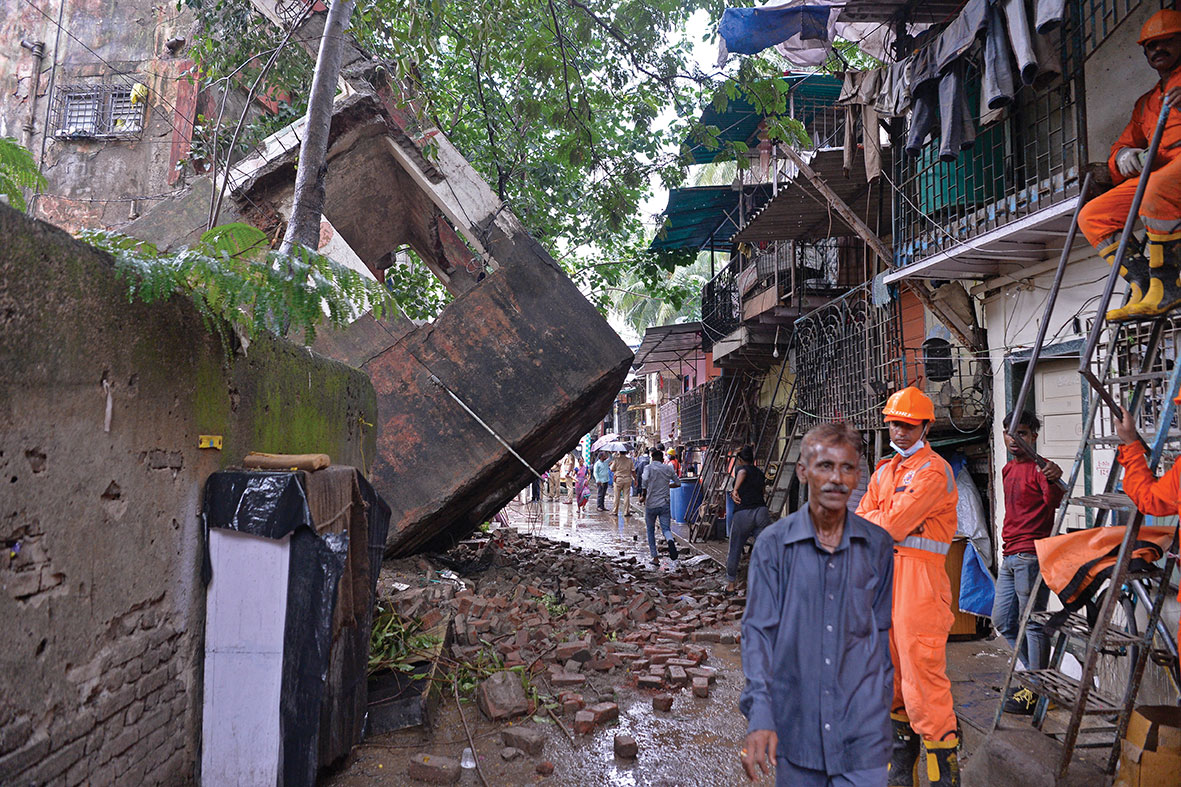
275, 504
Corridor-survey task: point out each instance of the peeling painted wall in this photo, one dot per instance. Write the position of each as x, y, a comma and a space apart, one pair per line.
96, 183
100, 594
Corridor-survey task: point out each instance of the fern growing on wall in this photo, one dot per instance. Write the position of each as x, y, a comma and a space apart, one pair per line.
18, 171
232, 275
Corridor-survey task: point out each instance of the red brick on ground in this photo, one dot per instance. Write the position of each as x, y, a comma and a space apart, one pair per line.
663, 702
604, 711
626, 747
584, 722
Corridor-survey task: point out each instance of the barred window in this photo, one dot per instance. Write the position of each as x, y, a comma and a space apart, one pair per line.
98, 111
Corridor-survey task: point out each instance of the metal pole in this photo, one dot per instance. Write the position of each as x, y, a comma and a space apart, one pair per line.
1035, 355
1121, 252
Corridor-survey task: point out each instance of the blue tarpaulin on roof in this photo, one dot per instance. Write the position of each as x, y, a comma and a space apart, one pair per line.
748, 31
703, 217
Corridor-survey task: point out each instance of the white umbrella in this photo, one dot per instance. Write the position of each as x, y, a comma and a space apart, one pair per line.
613, 447
604, 440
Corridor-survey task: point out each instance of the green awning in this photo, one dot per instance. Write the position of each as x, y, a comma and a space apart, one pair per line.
704, 217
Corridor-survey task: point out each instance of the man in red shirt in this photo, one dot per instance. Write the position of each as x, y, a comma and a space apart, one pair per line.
1031, 498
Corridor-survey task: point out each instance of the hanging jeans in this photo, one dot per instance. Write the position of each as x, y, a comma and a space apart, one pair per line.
946, 99
1048, 14
1020, 38
998, 85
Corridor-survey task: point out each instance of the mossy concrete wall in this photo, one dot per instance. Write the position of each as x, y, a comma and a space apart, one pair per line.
103, 608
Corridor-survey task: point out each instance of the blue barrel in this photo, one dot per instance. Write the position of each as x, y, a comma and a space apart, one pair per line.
684, 501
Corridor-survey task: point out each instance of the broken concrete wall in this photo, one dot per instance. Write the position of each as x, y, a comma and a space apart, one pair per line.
103, 608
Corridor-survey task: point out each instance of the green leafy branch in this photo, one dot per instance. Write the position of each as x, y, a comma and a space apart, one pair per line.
396, 643
232, 276
18, 171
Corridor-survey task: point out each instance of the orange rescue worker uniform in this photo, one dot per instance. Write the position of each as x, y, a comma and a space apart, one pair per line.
913, 498
1153, 496
1153, 280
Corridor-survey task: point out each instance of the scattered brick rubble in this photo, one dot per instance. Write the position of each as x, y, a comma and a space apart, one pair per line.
581, 623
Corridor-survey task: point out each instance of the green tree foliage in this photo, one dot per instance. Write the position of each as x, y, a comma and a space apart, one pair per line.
18, 171
570, 109
232, 276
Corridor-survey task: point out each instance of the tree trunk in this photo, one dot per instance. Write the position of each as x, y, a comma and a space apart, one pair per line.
303, 228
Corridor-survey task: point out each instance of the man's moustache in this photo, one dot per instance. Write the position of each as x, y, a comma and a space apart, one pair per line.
840, 488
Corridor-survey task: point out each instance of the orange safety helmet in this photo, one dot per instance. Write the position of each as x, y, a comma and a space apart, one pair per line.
910, 405
1165, 22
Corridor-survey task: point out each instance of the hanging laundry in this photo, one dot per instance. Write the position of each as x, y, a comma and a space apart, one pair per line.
998, 85
801, 44
1048, 15
961, 33
748, 31
945, 98
894, 98
858, 94
1020, 38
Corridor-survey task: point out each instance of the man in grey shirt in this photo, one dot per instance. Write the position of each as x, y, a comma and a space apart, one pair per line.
658, 479
815, 634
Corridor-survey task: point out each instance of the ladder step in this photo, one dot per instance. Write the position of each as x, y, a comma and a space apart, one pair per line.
1064, 690
1076, 626
1102, 441
1110, 501
1136, 378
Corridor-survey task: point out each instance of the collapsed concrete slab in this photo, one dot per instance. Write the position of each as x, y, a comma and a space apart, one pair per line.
518, 358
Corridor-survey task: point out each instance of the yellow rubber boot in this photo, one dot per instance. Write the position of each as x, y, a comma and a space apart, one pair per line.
943, 762
904, 761
1163, 293
1135, 271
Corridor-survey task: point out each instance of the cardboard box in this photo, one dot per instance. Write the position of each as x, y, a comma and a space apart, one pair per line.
1150, 753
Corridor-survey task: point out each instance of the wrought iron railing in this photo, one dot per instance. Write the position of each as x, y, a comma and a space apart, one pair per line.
721, 303
849, 357
824, 122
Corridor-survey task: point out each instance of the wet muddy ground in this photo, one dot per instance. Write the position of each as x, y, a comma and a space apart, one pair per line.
697, 743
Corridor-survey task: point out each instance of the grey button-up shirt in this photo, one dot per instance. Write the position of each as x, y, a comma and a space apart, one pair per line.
815, 644
657, 478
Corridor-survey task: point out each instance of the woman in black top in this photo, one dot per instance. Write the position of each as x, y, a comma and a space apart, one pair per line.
750, 511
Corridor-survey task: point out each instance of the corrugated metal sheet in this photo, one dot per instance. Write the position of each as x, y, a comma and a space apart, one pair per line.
704, 217
801, 212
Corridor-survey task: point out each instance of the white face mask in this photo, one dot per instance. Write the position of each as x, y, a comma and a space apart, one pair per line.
909, 452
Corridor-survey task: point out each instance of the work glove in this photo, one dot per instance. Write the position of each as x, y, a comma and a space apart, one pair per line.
1129, 162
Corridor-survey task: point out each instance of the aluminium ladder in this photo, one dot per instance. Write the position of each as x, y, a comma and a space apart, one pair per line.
1100, 637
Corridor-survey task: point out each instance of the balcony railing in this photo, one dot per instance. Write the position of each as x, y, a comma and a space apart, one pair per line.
721, 303
699, 412
849, 358
805, 274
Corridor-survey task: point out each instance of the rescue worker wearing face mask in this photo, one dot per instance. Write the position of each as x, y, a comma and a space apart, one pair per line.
913, 497
1152, 277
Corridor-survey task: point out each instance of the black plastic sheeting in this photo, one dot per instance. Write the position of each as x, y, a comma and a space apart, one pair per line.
274, 504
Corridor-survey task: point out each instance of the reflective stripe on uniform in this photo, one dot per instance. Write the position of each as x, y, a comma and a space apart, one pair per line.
950, 480
928, 544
